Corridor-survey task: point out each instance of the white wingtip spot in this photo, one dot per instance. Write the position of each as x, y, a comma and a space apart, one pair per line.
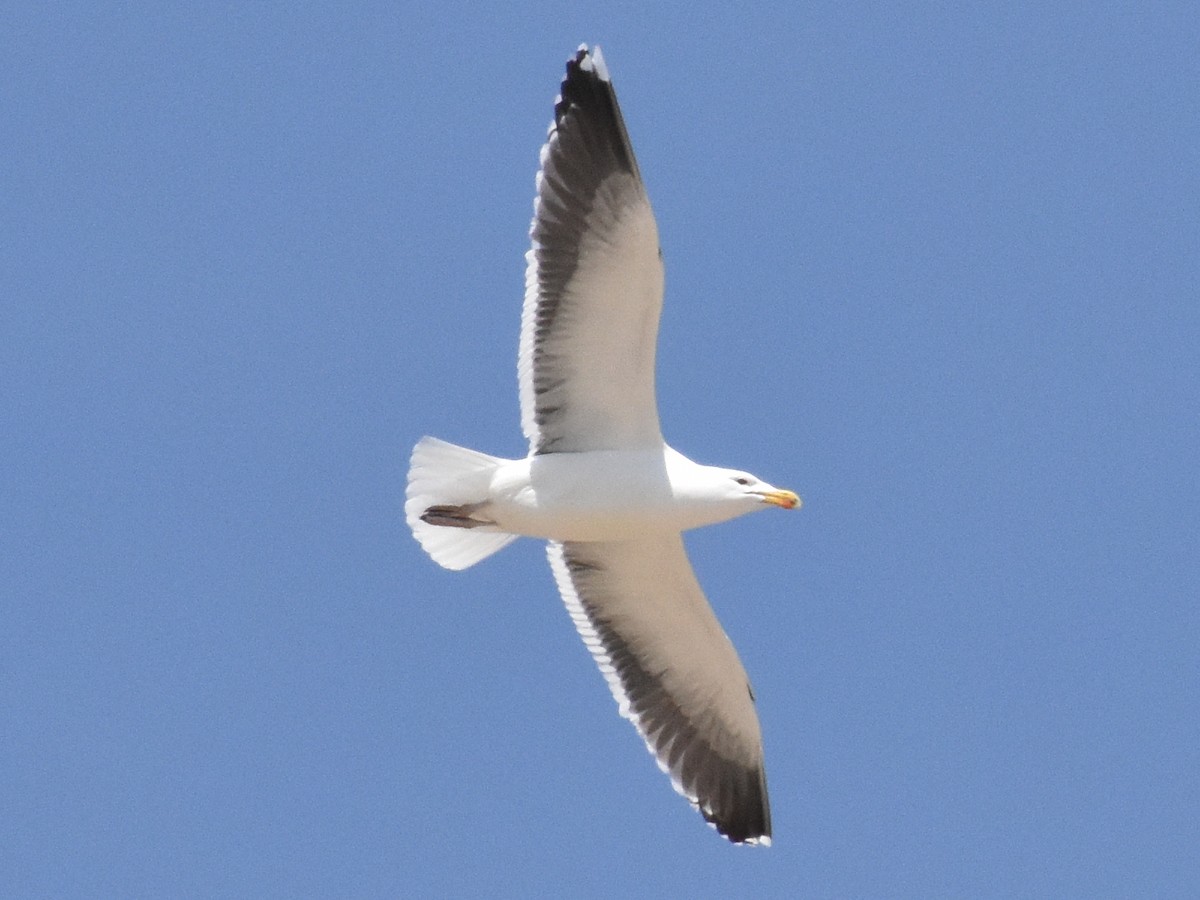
593, 61
601, 68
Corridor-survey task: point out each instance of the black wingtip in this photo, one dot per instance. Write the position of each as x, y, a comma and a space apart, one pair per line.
588, 88
744, 818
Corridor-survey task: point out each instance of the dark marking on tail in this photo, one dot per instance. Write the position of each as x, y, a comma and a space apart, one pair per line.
454, 516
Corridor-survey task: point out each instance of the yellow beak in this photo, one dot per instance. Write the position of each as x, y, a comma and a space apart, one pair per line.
784, 499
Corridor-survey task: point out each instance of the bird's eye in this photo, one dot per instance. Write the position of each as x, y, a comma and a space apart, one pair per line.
742, 479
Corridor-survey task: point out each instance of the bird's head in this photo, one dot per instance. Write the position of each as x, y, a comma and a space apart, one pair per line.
750, 487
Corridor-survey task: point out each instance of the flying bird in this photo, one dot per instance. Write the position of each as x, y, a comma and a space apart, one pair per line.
599, 483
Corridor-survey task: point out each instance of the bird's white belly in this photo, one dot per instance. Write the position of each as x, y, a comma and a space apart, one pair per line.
592, 496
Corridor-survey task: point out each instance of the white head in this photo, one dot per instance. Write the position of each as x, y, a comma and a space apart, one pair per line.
715, 494
711, 494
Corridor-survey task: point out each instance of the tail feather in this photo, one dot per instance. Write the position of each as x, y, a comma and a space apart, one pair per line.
444, 477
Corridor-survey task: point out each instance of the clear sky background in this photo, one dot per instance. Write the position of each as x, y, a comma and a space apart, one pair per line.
934, 266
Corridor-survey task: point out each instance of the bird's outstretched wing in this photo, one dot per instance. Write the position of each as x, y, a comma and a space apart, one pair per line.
593, 281
673, 672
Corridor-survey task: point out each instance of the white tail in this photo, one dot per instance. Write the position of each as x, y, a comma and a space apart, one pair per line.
444, 474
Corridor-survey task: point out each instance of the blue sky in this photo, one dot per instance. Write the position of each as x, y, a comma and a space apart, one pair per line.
934, 267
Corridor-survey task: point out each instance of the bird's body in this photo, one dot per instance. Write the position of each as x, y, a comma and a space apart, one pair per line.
610, 495
599, 483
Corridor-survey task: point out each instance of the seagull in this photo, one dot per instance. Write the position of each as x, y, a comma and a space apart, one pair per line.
599, 483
